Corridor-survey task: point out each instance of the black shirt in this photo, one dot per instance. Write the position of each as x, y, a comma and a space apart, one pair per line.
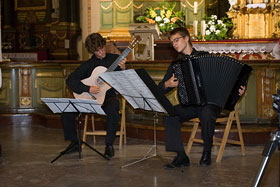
84, 71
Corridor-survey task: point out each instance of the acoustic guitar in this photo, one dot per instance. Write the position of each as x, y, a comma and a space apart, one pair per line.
95, 80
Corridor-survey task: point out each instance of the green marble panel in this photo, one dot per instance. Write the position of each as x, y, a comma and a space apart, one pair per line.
248, 104
123, 18
106, 16
48, 83
9, 90
106, 20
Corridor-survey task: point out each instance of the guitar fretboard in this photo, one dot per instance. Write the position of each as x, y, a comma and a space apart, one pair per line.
119, 59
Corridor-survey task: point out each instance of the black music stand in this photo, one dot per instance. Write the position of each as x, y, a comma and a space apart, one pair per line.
80, 106
139, 89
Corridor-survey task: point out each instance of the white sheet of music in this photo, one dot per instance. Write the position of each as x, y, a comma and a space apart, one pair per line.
134, 90
58, 105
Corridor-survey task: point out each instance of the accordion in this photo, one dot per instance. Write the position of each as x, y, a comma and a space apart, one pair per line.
209, 79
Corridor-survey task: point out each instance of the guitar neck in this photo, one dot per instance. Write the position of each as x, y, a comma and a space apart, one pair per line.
119, 59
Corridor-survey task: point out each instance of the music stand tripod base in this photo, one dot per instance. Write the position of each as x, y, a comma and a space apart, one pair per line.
79, 106
153, 148
80, 144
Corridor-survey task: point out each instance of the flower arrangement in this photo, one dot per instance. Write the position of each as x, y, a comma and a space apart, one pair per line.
166, 18
217, 29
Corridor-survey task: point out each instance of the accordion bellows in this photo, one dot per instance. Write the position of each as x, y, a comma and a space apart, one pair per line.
209, 79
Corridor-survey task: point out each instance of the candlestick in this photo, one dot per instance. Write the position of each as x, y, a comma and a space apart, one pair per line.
195, 22
203, 27
195, 7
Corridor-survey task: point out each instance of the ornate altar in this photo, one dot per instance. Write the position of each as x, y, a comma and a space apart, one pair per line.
30, 27
255, 18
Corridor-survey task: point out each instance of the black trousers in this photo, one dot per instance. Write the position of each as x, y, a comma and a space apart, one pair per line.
207, 115
110, 107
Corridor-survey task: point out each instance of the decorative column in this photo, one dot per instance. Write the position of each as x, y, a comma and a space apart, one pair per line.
65, 33
8, 31
63, 11
74, 29
74, 9
25, 88
49, 9
8, 13
265, 88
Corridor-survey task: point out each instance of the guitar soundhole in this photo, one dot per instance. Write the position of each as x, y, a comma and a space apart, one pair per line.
99, 82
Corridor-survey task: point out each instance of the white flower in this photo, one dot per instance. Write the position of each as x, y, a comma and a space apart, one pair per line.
214, 17
158, 18
218, 31
161, 25
212, 28
211, 23
219, 21
207, 32
166, 20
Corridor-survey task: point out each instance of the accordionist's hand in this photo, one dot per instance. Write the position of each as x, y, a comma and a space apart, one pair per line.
172, 82
94, 89
241, 90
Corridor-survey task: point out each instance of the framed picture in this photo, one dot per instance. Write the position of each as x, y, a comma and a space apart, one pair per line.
30, 4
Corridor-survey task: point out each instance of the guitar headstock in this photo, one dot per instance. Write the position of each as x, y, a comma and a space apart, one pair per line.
134, 42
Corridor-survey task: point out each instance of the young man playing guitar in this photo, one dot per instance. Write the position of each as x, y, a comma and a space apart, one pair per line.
95, 45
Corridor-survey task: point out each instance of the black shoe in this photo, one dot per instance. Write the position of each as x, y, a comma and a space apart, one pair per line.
179, 161
109, 151
206, 158
72, 148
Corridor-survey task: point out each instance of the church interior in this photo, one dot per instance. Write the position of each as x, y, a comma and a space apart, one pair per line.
43, 41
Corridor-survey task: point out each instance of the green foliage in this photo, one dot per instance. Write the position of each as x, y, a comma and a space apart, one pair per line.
217, 29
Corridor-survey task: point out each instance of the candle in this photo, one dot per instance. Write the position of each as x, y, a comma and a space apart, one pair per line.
195, 7
195, 22
203, 27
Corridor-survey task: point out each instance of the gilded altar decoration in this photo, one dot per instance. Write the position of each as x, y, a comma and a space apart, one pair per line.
166, 17
255, 18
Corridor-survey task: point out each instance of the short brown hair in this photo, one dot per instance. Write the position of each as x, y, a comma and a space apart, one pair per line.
183, 32
94, 41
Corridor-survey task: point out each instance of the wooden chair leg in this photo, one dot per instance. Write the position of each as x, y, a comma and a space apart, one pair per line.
121, 135
85, 130
122, 127
240, 133
124, 120
225, 137
93, 128
189, 146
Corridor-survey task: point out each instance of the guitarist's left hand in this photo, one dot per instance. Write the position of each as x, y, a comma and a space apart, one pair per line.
122, 64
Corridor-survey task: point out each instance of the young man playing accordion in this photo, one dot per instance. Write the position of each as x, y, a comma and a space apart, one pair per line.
181, 41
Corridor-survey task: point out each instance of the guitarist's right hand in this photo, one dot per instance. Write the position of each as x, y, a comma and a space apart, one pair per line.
94, 89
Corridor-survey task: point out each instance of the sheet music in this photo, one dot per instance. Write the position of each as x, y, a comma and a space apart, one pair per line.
59, 105
134, 90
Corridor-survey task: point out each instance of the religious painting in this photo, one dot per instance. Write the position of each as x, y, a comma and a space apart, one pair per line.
30, 4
